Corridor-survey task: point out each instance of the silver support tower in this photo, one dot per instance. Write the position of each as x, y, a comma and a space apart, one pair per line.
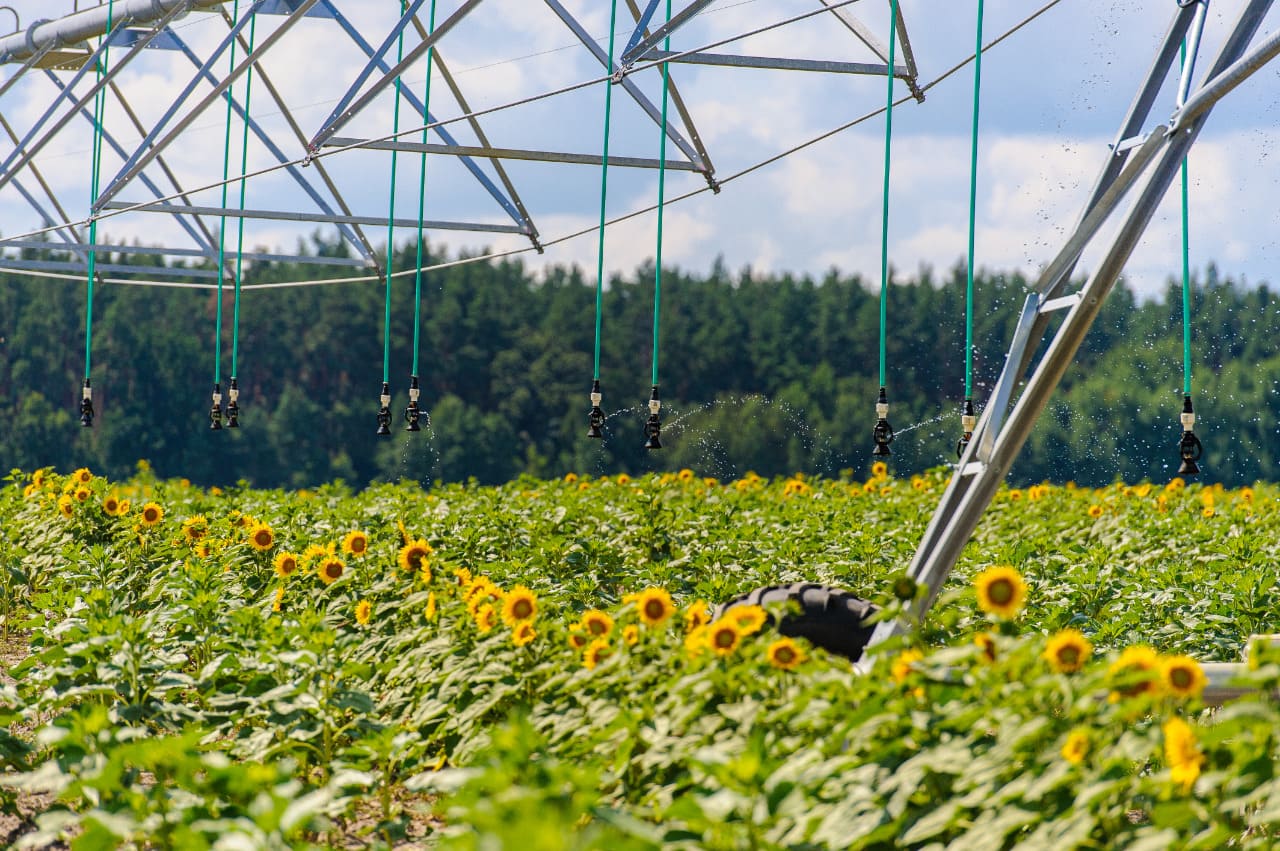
1158, 156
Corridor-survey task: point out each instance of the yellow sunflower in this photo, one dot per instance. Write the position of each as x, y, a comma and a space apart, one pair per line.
519, 606
631, 634
430, 611
1095, 511
110, 504
1177, 483
65, 505
364, 612
723, 637
285, 564
1138, 669
82, 494
195, 528
330, 569
785, 654
311, 553
1001, 591
486, 617
685, 475
1067, 651
1183, 676
696, 641
279, 601
623, 479
596, 652
904, 664
695, 615
1182, 753
570, 478
986, 645
597, 624
879, 470
523, 634
415, 555
356, 543
82, 476
654, 606
261, 538
748, 619
1076, 747
577, 640
122, 510
151, 515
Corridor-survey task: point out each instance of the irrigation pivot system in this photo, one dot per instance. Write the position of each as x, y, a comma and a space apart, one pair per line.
81, 74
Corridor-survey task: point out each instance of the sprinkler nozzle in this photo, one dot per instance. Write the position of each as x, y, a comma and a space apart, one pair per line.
215, 413
968, 421
412, 414
1190, 449
384, 412
653, 428
233, 404
86, 406
882, 434
595, 420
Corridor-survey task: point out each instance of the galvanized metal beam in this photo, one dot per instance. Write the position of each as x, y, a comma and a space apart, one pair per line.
505, 153
778, 63
153, 147
68, 266
288, 216
350, 107
160, 251
656, 37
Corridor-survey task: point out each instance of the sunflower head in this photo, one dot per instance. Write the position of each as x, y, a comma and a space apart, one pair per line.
654, 606
330, 569
904, 664
364, 612
597, 624
523, 634
261, 537
285, 564
879, 470
486, 617
577, 638
623, 479
431, 611
785, 654
1001, 591
110, 504
1067, 651
355, 543
151, 515
695, 615
748, 619
415, 555
82, 493
597, 651
723, 636
1136, 672
1182, 753
1182, 676
631, 634
685, 475
122, 510
519, 606
82, 476
570, 478
195, 528
1076, 747
279, 601
987, 650
65, 505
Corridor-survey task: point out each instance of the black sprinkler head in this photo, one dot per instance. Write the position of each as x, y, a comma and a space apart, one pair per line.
1190, 449
412, 414
653, 428
86, 406
882, 434
215, 413
384, 412
233, 405
595, 420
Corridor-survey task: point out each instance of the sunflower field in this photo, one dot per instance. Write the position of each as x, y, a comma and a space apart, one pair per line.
536, 666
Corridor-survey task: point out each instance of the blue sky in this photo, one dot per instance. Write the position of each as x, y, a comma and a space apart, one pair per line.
1052, 97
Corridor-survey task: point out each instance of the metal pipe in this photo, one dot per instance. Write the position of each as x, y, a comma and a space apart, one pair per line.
89, 24
780, 63
1220, 84
504, 153
683, 17
1193, 48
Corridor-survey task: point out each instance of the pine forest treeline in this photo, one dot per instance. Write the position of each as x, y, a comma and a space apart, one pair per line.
775, 374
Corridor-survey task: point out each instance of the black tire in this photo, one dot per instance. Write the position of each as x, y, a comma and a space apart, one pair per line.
831, 618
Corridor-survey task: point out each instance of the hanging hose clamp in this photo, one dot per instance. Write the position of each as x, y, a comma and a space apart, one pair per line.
595, 420
412, 413
233, 404
623, 70
384, 412
713, 184
215, 412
